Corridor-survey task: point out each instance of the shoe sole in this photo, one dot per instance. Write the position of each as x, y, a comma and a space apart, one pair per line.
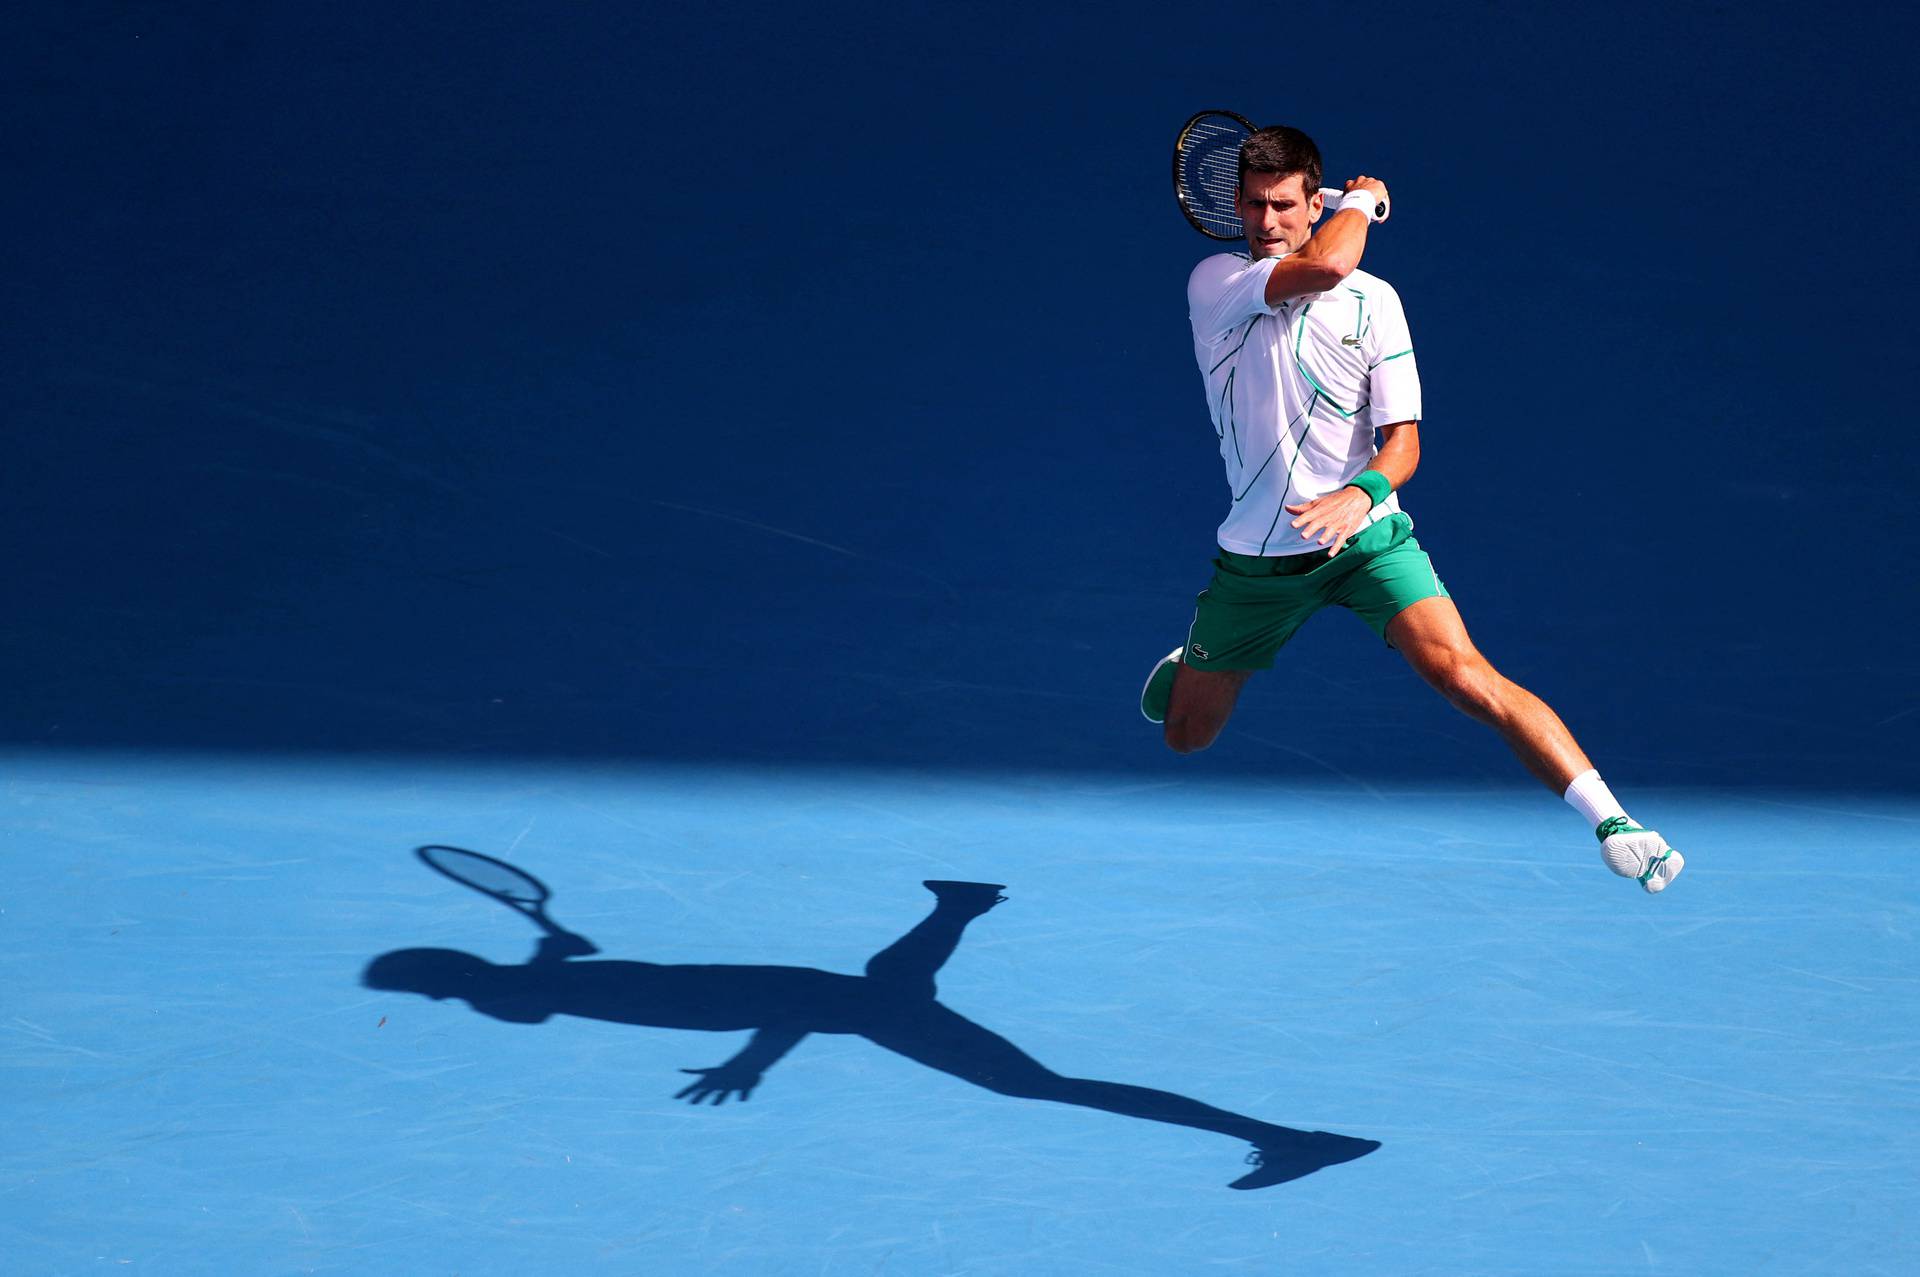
1172, 657
1634, 848
1656, 882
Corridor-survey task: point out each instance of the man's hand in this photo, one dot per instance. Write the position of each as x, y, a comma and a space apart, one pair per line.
1365, 183
1379, 205
1332, 518
728, 1079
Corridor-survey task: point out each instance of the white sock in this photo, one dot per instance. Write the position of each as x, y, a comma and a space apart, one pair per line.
1592, 799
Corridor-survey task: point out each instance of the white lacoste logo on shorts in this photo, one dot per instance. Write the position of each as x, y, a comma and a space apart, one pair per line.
1198, 651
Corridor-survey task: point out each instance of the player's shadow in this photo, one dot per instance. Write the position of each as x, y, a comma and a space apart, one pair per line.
893, 1005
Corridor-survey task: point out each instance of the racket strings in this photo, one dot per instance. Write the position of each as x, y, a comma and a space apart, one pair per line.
1207, 173
483, 873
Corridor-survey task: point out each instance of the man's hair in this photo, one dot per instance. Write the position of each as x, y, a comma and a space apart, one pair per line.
1283, 150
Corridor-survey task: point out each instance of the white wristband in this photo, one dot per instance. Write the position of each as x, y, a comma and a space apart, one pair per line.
1366, 201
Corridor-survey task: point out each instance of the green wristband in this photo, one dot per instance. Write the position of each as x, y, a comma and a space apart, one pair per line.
1376, 485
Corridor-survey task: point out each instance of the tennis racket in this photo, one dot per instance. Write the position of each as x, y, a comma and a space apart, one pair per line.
515, 888
1206, 174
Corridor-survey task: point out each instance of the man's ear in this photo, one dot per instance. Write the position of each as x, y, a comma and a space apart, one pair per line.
1316, 204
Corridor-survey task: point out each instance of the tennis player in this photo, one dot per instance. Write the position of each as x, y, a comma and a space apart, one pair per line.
1305, 357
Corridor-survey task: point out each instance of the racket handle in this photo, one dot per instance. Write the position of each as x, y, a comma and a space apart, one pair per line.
1333, 195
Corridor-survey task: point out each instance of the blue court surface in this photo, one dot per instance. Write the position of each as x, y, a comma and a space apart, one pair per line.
1563, 1074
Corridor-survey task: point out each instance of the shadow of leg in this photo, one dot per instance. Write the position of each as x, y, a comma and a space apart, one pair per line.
907, 966
942, 1039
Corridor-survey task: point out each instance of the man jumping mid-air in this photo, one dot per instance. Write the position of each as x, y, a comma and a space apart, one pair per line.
1305, 356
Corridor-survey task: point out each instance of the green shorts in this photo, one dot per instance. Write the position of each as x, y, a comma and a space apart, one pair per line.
1253, 605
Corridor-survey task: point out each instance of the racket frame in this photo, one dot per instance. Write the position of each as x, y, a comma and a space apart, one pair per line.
560, 943
1179, 188
535, 910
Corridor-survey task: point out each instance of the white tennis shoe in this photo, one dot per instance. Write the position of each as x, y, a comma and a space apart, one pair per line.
1157, 694
1640, 854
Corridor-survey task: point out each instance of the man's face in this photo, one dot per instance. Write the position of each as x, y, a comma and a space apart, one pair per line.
1277, 212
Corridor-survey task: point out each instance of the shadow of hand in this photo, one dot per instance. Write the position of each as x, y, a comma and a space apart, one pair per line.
728, 1079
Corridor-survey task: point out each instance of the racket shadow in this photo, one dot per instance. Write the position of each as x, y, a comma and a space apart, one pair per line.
894, 1004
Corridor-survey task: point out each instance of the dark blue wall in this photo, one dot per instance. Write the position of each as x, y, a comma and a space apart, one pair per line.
769, 383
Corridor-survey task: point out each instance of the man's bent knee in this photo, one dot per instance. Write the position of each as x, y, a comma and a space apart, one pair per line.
1184, 736
1200, 706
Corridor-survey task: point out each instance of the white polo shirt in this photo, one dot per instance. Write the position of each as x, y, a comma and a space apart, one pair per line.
1296, 390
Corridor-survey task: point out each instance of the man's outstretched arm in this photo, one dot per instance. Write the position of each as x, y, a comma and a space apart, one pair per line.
740, 1075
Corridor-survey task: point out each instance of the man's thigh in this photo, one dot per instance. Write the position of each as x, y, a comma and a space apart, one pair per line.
1431, 635
1389, 584
1241, 621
